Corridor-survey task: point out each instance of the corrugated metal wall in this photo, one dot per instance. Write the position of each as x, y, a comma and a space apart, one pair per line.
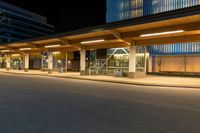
183, 48
124, 9
117, 10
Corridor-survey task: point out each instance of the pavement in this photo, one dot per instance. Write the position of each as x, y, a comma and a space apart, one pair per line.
150, 80
41, 104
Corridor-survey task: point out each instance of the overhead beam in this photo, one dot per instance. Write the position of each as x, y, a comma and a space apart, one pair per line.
64, 41
116, 34
32, 45
119, 36
8, 47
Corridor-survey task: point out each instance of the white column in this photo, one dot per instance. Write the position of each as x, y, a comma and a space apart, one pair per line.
145, 59
82, 62
150, 64
8, 61
26, 62
50, 62
132, 61
66, 62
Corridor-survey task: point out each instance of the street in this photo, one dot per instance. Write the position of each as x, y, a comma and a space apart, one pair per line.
39, 104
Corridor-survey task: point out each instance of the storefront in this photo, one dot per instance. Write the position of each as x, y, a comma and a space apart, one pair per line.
17, 62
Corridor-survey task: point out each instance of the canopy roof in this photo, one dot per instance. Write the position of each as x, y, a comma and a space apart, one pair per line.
124, 33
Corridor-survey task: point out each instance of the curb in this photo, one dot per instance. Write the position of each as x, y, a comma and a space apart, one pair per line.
100, 80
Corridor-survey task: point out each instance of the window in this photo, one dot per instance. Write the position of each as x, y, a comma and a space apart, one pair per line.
136, 3
137, 13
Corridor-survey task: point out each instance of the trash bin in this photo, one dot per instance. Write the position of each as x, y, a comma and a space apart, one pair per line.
62, 70
118, 73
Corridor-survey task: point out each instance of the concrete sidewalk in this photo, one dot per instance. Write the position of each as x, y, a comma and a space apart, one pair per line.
164, 81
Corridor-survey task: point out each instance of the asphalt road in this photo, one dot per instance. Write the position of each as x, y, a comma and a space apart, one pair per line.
36, 104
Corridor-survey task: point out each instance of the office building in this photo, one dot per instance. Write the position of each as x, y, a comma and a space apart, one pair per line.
18, 24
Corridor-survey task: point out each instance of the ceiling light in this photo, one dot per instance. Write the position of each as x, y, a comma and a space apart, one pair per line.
162, 33
56, 52
52, 46
24, 49
94, 41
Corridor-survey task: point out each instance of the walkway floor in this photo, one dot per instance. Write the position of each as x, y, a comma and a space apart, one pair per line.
147, 81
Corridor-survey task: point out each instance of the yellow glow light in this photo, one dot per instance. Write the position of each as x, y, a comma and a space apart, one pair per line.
4, 51
15, 55
69, 61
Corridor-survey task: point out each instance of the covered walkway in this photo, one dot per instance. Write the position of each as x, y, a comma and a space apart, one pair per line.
150, 80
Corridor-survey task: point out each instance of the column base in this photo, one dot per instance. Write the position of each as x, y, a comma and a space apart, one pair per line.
26, 70
7, 69
134, 75
50, 71
82, 72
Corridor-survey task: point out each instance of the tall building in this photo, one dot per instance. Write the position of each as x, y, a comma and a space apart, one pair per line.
17, 24
129, 9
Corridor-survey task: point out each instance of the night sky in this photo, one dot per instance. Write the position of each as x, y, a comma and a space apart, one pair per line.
67, 15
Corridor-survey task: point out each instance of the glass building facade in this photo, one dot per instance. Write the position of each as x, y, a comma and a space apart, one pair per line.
127, 9
17, 24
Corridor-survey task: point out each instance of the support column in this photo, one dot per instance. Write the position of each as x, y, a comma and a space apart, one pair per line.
8, 61
50, 62
83, 62
26, 62
42, 65
66, 61
132, 62
150, 69
145, 59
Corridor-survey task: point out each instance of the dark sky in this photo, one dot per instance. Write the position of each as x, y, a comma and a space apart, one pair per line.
67, 15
